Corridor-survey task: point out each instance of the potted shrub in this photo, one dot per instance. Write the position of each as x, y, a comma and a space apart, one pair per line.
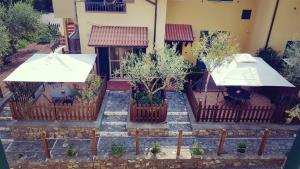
71, 152
155, 149
117, 150
242, 147
196, 151
149, 74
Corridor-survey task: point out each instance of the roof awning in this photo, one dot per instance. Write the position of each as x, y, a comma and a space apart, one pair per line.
246, 70
54, 68
118, 36
179, 33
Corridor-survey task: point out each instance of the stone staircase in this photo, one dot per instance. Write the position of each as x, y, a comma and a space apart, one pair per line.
5, 116
115, 114
177, 114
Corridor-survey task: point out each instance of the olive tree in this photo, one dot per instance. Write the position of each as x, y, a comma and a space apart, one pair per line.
156, 71
294, 112
214, 49
292, 69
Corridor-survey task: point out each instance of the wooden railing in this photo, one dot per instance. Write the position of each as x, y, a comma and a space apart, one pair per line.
216, 113
45, 111
105, 7
148, 113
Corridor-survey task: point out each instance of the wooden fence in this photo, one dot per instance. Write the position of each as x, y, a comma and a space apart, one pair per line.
216, 113
148, 113
45, 111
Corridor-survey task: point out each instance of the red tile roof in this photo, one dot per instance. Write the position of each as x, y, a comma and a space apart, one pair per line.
179, 32
106, 36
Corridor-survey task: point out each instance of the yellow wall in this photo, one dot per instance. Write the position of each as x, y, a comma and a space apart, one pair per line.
261, 26
64, 8
212, 16
286, 25
139, 13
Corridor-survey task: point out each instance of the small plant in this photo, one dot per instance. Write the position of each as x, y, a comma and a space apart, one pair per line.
197, 150
117, 150
155, 148
242, 147
71, 152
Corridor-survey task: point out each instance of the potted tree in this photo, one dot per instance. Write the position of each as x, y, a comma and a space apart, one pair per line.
149, 74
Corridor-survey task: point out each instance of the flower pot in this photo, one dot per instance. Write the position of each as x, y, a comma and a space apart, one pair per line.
241, 150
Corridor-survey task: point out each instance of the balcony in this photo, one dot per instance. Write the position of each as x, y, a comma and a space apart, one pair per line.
105, 6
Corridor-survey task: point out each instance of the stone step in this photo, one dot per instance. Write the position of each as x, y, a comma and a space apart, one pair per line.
119, 113
5, 135
113, 128
4, 118
178, 118
4, 128
177, 113
114, 118
112, 123
113, 134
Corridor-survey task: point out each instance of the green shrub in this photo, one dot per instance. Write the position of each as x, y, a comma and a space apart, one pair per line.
71, 152
22, 43
117, 150
197, 150
143, 98
272, 57
155, 148
241, 147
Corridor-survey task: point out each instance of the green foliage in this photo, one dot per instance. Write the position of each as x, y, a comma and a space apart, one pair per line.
22, 43
272, 57
197, 150
294, 113
91, 88
71, 152
4, 42
143, 98
242, 147
23, 89
44, 35
292, 69
117, 150
164, 67
155, 148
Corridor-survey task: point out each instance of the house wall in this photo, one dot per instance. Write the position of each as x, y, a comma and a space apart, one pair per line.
64, 8
212, 16
286, 25
139, 13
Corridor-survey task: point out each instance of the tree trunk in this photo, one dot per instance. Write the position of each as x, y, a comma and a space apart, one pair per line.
206, 86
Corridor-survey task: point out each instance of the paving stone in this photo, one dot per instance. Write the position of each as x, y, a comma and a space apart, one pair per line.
178, 118
5, 134
114, 118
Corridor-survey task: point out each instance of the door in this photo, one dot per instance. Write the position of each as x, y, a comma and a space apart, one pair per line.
103, 62
116, 55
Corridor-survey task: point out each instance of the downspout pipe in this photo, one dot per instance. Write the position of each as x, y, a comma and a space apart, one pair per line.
272, 24
155, 23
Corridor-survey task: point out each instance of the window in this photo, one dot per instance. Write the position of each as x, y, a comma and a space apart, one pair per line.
246, 14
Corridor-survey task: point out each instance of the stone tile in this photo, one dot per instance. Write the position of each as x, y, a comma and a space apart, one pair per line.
176, 102
114, 118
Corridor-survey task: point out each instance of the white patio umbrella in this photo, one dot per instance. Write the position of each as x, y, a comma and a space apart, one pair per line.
246, 70
54, 67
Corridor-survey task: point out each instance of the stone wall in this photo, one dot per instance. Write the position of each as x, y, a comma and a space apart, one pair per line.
155, 132
244, 132
116, 163
32, 133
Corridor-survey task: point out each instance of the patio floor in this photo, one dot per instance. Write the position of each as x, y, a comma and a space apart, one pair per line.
212, 98
46, 96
